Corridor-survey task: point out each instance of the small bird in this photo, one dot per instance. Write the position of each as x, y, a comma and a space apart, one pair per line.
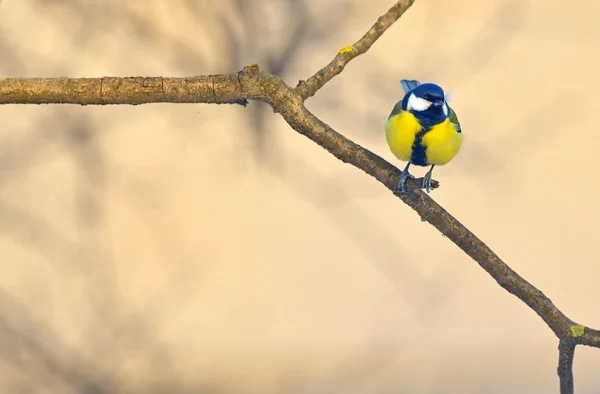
422, 130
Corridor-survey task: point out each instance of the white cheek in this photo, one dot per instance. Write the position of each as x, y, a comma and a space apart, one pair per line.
417, 104
445, 108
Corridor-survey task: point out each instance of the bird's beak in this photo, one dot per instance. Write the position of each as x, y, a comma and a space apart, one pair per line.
438, 103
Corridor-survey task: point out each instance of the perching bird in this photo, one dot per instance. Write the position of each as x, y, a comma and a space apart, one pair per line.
422, 130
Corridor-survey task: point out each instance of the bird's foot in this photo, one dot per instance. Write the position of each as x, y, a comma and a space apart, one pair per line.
427, 182
401, 188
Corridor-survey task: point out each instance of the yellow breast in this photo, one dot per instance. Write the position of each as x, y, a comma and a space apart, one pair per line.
400, 133
442, 143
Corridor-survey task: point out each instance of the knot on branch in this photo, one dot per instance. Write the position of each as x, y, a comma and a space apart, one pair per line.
251, 70
248, 80
248, 76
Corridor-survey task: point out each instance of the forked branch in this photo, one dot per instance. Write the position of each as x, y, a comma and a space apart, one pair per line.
251, 84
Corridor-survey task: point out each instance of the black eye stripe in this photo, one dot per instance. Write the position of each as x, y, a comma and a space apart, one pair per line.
431, 98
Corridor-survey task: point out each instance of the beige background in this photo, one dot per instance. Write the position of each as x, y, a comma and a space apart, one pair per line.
203, 248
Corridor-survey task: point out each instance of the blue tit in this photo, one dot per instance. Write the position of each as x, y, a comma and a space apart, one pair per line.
422, 130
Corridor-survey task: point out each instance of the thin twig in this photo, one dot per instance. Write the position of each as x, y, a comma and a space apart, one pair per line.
309, 87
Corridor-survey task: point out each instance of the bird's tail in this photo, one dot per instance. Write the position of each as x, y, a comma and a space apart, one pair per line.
409, 84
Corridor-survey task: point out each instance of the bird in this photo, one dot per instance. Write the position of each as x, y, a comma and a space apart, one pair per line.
422, 130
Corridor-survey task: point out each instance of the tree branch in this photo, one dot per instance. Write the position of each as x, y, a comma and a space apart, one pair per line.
308, 88
566, 352
216, 89
251, 84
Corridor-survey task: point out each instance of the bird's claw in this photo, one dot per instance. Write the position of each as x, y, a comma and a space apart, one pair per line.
401, 188
427, 182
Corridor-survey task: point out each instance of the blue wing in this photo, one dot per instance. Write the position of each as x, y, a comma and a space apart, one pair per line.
409, 84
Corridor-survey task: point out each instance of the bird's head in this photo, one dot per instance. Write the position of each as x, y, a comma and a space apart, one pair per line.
427, 102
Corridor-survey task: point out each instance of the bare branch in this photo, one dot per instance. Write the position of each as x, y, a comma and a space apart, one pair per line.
219, 89
566, 351
309, 87
251, 84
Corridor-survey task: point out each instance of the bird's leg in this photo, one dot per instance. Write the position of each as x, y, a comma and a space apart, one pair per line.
403, 177
427, 180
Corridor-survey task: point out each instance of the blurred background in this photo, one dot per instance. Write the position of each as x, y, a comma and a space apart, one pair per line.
211, 249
